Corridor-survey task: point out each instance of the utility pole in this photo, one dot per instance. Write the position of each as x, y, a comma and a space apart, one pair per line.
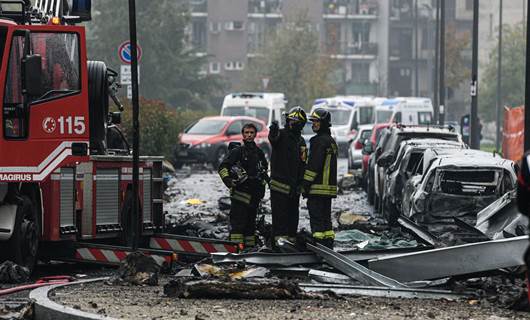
527, 87
136, 126
436, 62
416, 71
441, 108
474, 139
499, 82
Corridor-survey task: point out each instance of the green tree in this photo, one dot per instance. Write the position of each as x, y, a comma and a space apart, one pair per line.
169, 70
513, 73
456, 70
292, 61
160, 126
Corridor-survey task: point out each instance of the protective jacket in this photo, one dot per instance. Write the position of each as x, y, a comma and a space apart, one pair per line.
320, 177
289, 155
252, 160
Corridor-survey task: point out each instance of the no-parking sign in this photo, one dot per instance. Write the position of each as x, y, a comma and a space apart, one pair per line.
124, 51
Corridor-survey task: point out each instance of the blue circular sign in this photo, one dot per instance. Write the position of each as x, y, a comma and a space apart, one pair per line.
124, 52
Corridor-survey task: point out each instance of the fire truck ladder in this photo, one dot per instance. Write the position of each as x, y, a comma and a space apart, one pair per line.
43, 12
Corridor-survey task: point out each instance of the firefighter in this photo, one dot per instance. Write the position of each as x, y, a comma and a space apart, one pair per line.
320, 178
244, 171
288, 159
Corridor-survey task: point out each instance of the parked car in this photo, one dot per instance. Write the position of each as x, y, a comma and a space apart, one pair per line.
367, 165
388, 147
206, 140
397, 174
458, 184
347, 113
355, 155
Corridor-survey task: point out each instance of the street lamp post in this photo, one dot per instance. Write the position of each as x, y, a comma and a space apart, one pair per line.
474, 139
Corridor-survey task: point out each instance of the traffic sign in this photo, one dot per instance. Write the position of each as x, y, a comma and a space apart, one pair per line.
124, 51
126, 75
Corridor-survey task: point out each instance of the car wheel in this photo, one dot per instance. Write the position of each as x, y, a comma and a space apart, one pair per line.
220, 155
178, 165
350, 162
370, 191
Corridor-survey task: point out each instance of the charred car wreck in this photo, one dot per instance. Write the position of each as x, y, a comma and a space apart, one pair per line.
459, 186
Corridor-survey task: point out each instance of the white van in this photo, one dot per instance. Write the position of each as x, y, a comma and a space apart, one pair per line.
410, 110
347, 114
265, 106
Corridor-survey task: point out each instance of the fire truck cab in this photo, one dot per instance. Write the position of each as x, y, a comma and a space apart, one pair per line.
61, 183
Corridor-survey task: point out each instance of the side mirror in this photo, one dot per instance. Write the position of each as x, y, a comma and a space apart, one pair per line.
368, 148
32, 75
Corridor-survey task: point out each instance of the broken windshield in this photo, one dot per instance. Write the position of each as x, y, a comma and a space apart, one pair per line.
468, 182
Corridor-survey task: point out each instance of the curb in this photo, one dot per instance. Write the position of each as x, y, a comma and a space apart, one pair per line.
46, 309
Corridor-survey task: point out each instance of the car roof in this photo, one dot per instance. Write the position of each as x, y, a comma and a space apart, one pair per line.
469, 158
430, 142
421, 128
233, 118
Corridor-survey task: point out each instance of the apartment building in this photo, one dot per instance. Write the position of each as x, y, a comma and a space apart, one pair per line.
374, 41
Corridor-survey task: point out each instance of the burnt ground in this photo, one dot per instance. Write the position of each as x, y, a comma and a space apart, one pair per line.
150, 303
204, 218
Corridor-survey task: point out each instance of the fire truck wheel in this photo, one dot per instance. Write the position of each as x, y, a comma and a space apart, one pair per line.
98, 101
24, 243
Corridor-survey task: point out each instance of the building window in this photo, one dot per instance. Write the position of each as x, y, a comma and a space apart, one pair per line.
469, 5
215, 67
215, 27
234, 25
229, 65
360, 73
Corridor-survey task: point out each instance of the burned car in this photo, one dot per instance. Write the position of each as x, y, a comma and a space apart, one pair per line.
458, 184
408, 157
388, 147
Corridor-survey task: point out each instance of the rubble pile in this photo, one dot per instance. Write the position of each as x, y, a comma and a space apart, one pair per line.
137, 269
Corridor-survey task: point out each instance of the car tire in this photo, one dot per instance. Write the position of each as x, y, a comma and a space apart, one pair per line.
178, 165
219, 156
350, 162
370, 190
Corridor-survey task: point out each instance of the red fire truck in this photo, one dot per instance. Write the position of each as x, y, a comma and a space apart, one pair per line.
65, 189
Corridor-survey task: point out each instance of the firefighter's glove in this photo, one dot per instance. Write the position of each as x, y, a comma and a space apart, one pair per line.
274, 128
229, 182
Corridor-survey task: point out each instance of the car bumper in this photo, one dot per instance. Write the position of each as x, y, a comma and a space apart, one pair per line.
193, 155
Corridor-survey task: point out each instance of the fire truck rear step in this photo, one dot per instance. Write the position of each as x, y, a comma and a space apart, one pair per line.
184, 244
114, 255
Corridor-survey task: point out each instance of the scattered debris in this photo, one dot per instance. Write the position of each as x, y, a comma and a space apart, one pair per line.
357, 239
451, 261
11, 272
137, 269
502, 219
194, 202
217, 289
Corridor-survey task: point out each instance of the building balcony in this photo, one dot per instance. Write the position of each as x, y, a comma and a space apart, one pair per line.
353, 50
260, 8
199, 6
350, 9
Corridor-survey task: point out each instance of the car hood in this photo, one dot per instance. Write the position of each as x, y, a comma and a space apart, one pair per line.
194, 139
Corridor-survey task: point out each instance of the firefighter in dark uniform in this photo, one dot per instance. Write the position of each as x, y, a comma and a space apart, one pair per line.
320, 178
244, 171
523, 196
288, 159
